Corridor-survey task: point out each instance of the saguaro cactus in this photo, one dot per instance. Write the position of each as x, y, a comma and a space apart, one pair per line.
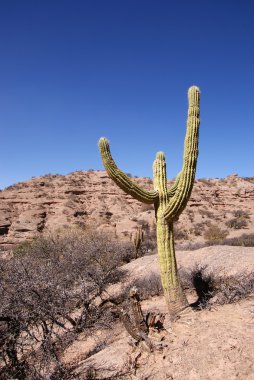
168, 203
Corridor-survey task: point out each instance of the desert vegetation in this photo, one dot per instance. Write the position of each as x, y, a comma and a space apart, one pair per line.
240, 220
55, 289
52, 290
215, 234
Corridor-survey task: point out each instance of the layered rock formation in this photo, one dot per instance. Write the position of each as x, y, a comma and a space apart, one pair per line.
90, 199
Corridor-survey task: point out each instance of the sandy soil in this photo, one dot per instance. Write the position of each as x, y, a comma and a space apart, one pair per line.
214, 344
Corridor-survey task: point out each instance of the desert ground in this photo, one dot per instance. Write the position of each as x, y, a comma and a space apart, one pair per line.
215, 342
214, 245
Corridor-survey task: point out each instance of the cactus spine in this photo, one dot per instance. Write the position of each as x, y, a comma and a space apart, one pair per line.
168, 203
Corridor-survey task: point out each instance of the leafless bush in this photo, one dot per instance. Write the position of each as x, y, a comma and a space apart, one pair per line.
206, 213
198, 279
149, 244
241, 214
149, 287
198, 229
232, 289
236, 223
245, 240
48, 292
240, 220
215, 234
211, 290
146, 207
191, 246
180, 233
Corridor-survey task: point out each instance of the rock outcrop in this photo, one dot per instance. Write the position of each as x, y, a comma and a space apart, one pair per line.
90, 198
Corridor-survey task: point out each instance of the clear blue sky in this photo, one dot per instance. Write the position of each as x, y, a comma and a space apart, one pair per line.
73, 71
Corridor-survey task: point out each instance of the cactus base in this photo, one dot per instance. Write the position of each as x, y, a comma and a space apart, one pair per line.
175, 306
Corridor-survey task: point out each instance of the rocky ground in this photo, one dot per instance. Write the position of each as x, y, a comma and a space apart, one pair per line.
214, 343
91, 199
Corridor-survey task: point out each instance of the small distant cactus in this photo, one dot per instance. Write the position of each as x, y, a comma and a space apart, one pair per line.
168, 203
137, 240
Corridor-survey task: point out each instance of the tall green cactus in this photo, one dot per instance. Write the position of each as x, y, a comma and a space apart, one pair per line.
168, 203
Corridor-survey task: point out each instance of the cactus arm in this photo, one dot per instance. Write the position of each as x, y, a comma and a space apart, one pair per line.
121, 179
186, 180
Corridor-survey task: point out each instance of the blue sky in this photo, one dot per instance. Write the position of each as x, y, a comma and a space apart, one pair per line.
73, 71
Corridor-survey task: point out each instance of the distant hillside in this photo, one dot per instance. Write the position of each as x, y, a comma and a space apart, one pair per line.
91, 199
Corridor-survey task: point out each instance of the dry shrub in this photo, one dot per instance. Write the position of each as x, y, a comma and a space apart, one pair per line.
239, 221
215, 234
241, 214
231, 289
211, 290
148, 287
149, 244
198, 279
198, 229
191, 246
146, 207
50, 292
236, 223
206, 213
245, 240
180, 233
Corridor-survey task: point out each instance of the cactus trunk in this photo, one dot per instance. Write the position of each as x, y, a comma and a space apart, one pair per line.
168, 203
174, 295
173, 291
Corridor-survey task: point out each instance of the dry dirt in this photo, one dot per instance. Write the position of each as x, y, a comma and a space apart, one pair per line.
216, 344
206, 344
